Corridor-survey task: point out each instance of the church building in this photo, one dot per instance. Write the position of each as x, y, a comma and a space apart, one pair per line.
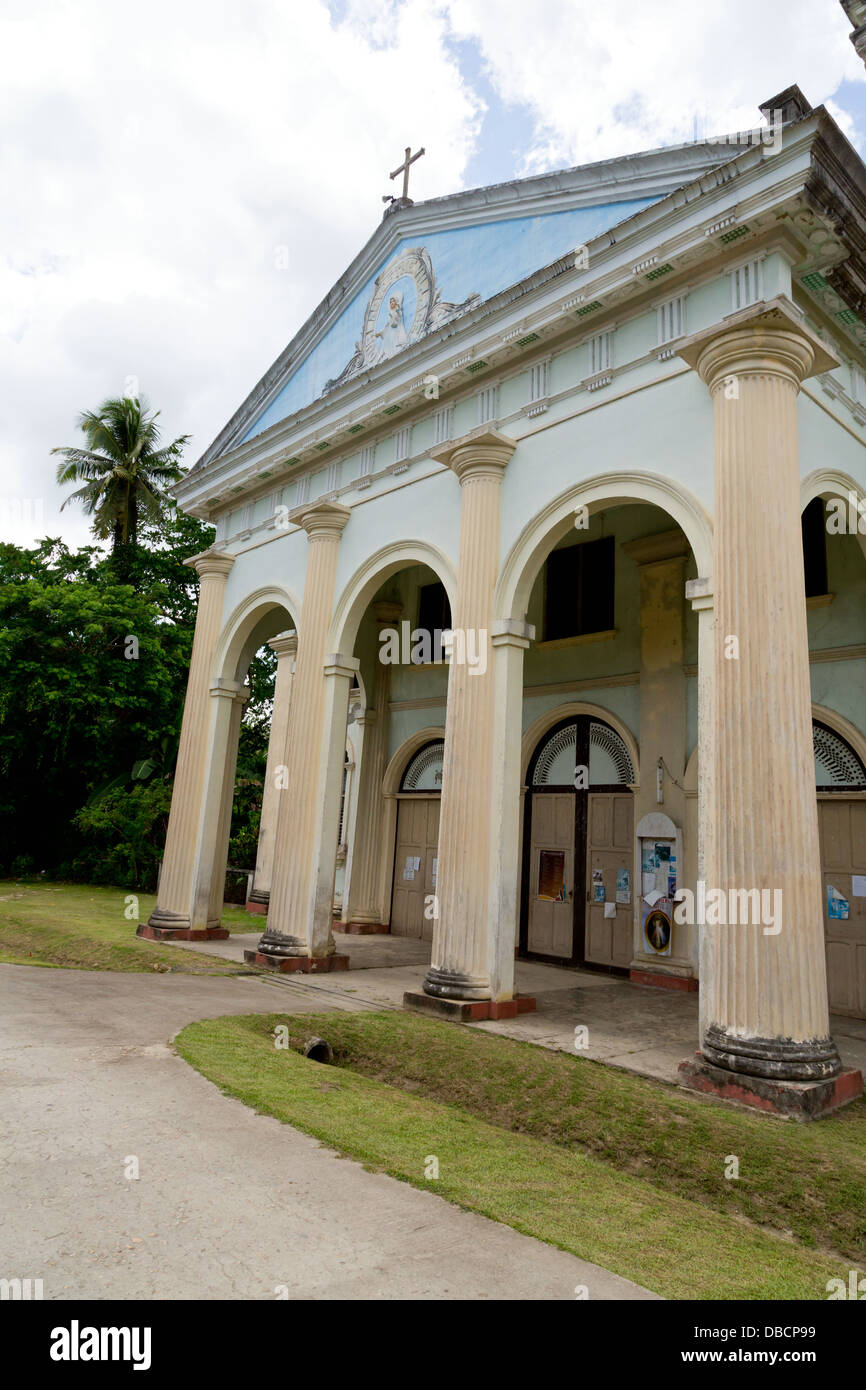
554, 514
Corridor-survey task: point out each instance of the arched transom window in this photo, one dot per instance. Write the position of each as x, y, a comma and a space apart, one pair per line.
610, 762
836, 764
424, 772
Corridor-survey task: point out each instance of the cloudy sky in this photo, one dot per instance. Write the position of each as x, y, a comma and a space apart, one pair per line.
182, 182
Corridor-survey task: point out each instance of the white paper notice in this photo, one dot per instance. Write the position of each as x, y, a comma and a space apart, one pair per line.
652, 898
610, 909
648, 881
858, 885
409, 867
416, 863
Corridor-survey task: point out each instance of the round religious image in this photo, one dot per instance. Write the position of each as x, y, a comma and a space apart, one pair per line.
657, 930
396, 315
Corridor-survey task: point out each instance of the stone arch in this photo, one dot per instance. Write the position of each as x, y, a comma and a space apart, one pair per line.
830, 482
248, 627
540, 726
370, 577
404, 755
554, 521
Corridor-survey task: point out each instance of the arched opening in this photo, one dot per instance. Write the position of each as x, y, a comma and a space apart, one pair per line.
391, 617
251, 680
613, 672
578, 851
416, 843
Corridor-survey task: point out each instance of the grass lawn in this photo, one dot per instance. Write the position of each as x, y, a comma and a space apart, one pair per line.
614, 1168
83, 927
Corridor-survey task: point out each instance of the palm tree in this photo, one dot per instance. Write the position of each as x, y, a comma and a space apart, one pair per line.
123, 470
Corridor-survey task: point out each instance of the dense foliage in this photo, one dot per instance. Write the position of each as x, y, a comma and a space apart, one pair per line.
89, 721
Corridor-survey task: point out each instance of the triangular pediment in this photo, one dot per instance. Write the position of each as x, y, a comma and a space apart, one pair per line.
429, 264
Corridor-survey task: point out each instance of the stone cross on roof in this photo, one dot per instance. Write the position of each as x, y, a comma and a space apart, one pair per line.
409, 158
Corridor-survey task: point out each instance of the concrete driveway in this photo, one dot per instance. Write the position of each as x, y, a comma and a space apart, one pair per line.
228, 1204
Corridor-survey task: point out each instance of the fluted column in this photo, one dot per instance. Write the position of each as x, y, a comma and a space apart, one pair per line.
174, 898
767, 994
227, 700
285, 645
461, 964
364, 905
294, 881
510, 638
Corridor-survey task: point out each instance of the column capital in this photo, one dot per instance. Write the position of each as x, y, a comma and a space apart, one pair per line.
699, 593
230, 690
338, 665
765, 339
210, 562
511, 632
484, 452
285, 643
321, 520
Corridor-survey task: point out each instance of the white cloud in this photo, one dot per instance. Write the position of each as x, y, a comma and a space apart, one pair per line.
604, 80
159, 156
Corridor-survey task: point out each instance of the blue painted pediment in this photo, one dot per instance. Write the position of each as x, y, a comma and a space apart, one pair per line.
428, 281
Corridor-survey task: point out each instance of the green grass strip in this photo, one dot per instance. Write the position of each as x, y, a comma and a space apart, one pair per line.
82, 927
569, 1198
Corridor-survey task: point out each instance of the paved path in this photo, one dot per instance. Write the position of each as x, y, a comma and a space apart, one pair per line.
229, 1204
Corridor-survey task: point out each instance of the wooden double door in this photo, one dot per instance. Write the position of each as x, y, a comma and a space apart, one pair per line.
842, 827
415, 865
577, 877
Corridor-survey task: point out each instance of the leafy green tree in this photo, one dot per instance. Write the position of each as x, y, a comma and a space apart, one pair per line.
123, 471
89, 720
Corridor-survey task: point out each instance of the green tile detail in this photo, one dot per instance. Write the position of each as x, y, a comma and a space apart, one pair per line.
325, 445
814, 281
588, 308
733, 235
847, 316
290, 463
391, 410
527, 339
355, 429
476, 366
658, 271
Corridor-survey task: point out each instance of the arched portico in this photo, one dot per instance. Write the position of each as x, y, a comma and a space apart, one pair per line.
359, 620
256, 619
547, 527
370, 577
831, 483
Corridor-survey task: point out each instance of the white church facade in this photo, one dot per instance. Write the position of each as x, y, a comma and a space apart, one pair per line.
605, 427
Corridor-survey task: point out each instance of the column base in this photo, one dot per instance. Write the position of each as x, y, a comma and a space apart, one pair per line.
258, 901
363, 928
304, 965
776, 1059
467, 1010
455, 984
793, 1100
148, 932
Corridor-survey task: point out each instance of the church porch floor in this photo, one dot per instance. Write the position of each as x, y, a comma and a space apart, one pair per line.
637, 1027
